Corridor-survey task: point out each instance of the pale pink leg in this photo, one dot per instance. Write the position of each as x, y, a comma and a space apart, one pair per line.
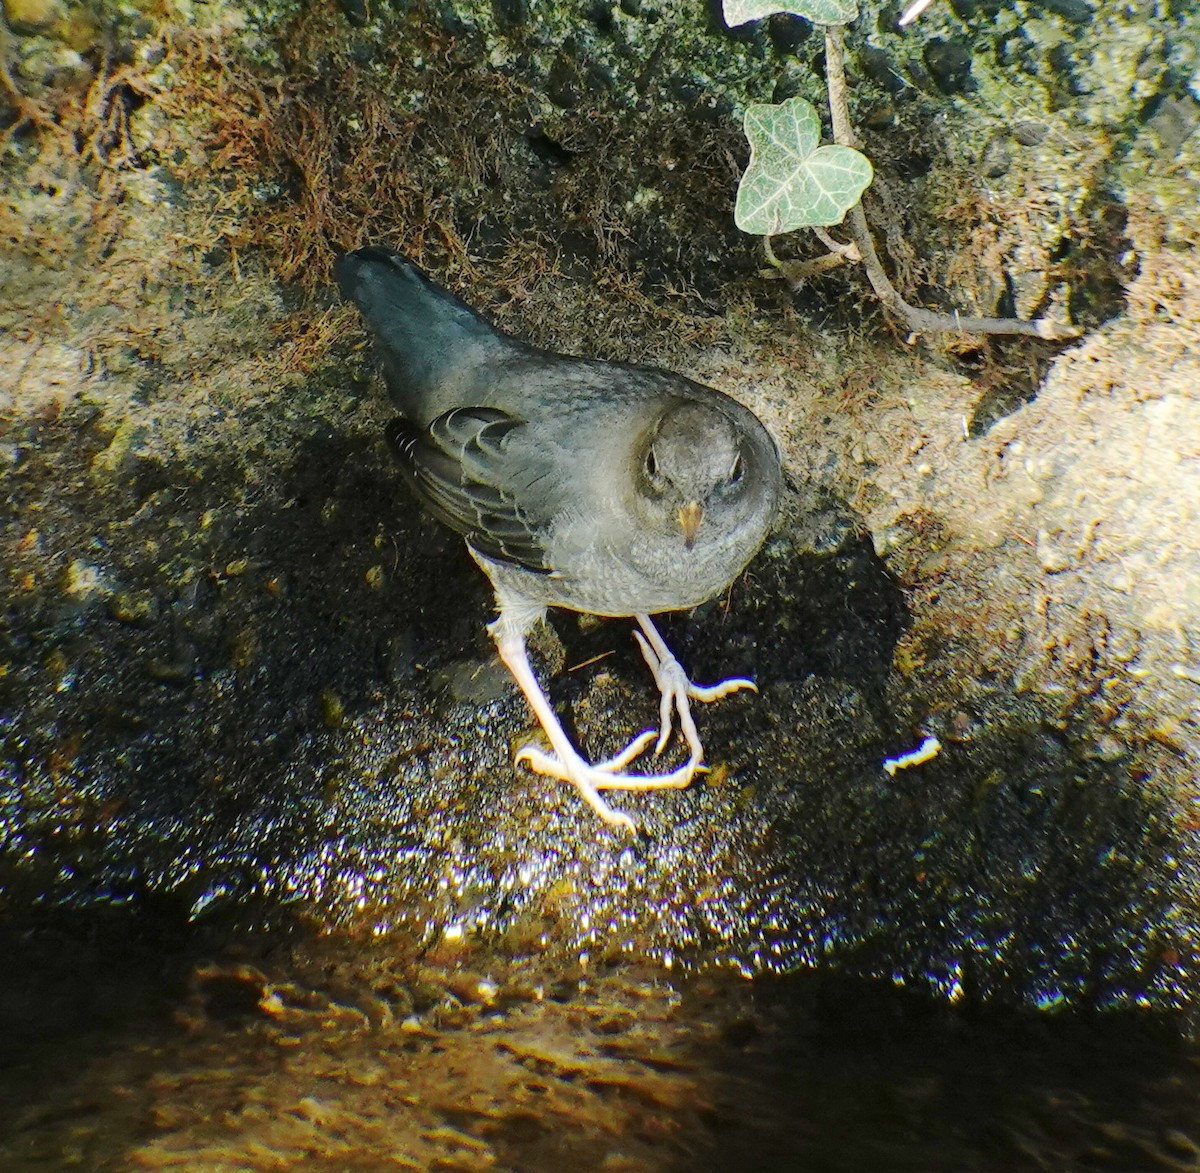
565, 762
677, 690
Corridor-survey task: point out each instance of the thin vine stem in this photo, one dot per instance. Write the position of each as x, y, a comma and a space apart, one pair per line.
918, 319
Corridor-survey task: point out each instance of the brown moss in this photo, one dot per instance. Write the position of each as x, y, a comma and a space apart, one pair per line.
338, 175
263, 173
417, 141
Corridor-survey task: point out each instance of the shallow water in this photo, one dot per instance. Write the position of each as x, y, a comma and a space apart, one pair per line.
125, 1056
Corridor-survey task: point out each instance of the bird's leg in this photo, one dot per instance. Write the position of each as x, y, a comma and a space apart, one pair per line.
677, 691
565, 762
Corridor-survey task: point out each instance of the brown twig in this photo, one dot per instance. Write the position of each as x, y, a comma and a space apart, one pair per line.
918, 320
795, 273
29, 111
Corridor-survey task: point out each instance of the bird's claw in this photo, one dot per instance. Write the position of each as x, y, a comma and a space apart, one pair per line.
633, 750
589, 779
677, 691
606, 775
563, 761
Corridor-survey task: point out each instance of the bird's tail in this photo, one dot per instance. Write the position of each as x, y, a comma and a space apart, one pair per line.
433, 346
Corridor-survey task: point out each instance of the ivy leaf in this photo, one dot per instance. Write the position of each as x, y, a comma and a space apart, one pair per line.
793, 182
818, 11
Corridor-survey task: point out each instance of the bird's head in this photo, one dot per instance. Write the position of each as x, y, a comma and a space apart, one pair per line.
692, 469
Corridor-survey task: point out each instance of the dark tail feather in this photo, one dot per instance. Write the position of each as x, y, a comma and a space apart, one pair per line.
430, 341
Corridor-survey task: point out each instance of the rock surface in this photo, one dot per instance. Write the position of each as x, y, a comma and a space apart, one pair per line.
245, 695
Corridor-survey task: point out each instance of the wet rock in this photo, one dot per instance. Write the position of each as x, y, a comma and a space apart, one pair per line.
949, 64
790, 842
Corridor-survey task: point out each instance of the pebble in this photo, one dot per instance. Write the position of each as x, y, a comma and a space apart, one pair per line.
1107, 748
175, 669
133, 607
51, 64
333, 711
1173, 123
398, 656
1029, 134
475, 682
85, 581
949, 64
30, 17
1052, 557
1075, 11
995, 159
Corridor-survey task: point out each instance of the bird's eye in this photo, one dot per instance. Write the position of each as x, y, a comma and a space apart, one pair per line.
651, 464
736, 470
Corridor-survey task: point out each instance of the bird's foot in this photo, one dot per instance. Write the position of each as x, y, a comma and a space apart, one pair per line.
590, 779
677, 691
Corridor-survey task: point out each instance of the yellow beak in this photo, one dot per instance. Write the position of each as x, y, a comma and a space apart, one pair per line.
690, 517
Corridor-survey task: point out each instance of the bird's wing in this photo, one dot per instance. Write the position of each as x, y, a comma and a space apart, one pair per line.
469, 469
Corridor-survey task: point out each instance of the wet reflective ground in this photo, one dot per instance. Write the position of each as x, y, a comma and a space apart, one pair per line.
231, 705
286, 1056
276, 898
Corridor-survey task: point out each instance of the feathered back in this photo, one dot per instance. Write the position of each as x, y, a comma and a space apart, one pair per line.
433, 345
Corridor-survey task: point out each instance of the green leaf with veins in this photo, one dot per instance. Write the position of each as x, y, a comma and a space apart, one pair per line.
793, 182
818, 11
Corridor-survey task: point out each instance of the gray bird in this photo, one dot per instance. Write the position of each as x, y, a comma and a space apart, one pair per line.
601, 487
